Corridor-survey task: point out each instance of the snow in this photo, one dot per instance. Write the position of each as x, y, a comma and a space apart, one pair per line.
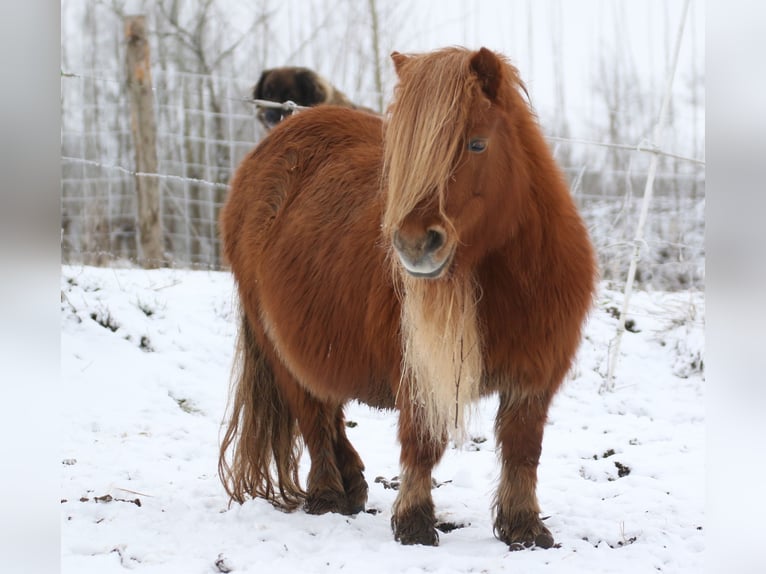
145, 361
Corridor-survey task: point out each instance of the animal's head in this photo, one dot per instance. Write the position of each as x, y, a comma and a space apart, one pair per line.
299, 85
455, 170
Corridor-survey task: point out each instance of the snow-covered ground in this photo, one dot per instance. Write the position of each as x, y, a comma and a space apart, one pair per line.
145, 360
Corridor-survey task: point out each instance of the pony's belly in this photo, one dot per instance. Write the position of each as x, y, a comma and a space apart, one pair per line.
331, 364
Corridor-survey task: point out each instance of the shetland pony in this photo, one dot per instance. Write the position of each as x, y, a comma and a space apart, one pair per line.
417, 262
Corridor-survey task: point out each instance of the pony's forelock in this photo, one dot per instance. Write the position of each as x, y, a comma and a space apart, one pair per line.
424, 130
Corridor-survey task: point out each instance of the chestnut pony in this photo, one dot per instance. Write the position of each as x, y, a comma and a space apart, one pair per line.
417, 262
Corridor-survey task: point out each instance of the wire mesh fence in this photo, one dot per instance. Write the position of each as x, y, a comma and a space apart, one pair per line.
206, 125
204, 128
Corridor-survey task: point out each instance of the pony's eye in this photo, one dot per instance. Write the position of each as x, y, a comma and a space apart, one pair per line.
477, 145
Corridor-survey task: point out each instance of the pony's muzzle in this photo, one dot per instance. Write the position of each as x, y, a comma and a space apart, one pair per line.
424, 254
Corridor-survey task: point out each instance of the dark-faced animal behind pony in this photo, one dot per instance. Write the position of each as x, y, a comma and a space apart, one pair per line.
299, 85
418, 262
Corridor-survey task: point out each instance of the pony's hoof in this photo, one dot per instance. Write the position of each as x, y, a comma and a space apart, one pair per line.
415, 527
324, 502
543, 540
356, 497
523, 534
424, 537
330, 501
353, 508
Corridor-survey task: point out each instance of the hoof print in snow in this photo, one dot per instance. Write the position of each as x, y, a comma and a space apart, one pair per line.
473, 444
146, 345
622, 469
222, 565
625, 542
630, 324
447, 527
620, 543
185, 405
126, 561
394, 483
106, 498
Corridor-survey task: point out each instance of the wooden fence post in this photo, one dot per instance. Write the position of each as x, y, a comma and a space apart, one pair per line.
144, 130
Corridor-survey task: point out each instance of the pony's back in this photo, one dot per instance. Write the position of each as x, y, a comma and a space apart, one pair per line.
293, 161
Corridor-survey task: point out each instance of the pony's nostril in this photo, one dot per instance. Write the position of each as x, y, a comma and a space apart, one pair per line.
434, 240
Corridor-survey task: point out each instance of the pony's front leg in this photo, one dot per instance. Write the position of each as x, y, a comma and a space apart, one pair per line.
519, 428
413, 520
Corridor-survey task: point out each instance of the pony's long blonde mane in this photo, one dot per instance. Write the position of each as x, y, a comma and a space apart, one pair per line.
424, 130
441, 338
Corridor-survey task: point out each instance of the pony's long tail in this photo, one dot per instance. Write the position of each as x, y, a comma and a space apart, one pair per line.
262, 434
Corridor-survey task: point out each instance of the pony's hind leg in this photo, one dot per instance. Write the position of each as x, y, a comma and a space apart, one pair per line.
413, 520
335, 465
519, 429
351, 468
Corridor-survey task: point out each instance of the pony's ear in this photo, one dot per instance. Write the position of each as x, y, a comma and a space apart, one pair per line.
488, 69
398, 60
